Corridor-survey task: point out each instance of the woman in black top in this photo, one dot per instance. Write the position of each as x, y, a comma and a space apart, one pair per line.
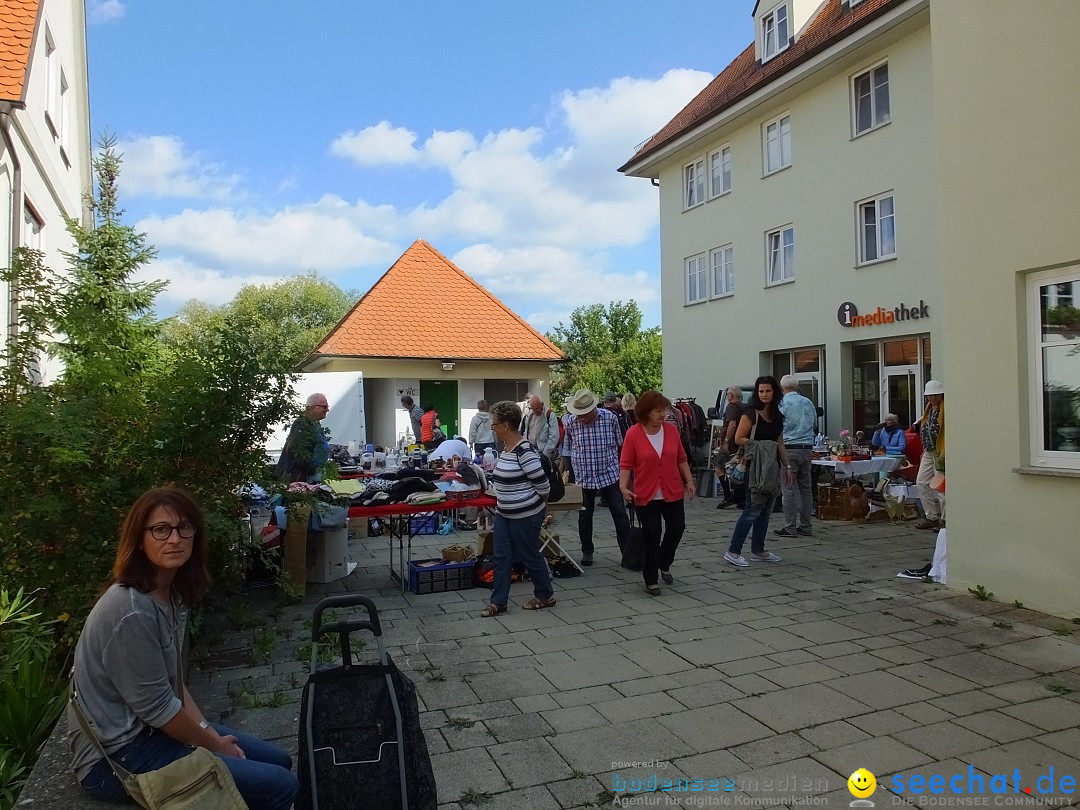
764, 411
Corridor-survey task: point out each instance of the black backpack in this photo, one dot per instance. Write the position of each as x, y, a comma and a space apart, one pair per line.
554, 478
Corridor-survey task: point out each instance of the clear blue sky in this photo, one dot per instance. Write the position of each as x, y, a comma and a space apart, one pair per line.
264, 139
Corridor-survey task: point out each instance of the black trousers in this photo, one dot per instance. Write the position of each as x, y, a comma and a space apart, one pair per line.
661, 554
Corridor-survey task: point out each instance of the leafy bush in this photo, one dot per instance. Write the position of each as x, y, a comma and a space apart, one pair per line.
131, 411
31, 697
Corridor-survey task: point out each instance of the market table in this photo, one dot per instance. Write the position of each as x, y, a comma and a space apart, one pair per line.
402, 530
853, 469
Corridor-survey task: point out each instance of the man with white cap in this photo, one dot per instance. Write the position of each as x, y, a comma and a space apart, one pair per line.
594, 439
931, 427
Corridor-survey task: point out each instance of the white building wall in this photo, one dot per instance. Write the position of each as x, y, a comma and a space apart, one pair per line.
720, 342
50, 185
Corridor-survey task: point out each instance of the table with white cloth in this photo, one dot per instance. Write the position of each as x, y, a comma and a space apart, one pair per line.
866, 466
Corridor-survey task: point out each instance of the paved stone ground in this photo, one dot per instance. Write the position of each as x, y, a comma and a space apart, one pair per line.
778, 681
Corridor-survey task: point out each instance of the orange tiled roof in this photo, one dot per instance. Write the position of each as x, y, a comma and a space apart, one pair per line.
745, 74
426, 307
17, 21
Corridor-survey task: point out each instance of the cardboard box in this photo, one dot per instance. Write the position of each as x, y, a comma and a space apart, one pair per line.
572, 495
484, 543
328, 555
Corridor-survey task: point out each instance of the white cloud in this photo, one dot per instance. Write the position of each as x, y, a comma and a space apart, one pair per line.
160, 166
103, 11
538, 207
557, 279
188, 280
323, 235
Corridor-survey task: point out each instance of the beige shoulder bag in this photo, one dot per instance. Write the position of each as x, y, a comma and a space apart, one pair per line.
199, 781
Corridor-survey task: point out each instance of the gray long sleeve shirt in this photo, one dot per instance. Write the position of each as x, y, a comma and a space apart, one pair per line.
125, 671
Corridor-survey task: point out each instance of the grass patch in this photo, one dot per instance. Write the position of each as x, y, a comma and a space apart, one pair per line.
1063, 630
460, 722
474, 798
1002, 625
946, 622
250, 700
1058, 688
980, 593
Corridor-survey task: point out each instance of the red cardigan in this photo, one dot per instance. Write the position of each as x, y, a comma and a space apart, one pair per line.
650, 470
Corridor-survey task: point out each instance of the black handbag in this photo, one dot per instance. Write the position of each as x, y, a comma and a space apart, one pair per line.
633, 556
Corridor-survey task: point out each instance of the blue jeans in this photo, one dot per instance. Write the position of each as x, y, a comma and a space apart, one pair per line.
518, 540
755, 516
616, 505
265, 779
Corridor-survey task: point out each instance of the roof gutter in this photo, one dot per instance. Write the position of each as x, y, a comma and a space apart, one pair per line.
12, 329
812, 61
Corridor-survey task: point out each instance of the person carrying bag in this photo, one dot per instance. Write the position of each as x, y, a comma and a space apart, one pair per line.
199, 781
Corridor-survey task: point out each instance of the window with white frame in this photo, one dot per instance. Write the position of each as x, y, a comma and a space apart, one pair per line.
53, 73
870, 99
777, 145
877, 229
32, 226
723, 265
780, 254
720, 171
774, 32
694, 183
1055, 349
697, 279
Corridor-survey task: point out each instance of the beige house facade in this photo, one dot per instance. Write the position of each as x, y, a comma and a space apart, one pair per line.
1010, 257
44, 136
882, 192
798, 222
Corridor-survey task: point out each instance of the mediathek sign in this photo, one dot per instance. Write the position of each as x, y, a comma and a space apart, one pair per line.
848, 314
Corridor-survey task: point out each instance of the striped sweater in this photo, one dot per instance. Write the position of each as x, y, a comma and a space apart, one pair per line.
520, 483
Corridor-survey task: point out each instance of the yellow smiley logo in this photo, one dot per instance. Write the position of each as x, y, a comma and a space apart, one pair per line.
862, 783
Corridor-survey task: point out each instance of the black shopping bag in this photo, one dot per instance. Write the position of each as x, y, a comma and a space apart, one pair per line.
633, 556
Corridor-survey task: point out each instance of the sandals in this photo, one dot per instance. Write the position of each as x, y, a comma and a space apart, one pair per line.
491, 610
539, 604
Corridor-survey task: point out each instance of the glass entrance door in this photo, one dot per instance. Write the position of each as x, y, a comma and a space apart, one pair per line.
901, 395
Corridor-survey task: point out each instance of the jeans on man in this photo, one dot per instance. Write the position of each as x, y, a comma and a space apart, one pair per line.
930, 497
660, 555
518, 540
799, 494
264, 778
756, 517
615, 504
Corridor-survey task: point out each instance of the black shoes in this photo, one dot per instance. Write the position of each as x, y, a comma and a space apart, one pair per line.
915, 573
586, 559
667, 577
724, 504
805, 532
784, 532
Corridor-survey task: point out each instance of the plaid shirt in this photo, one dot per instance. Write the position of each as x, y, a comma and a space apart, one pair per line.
594, 449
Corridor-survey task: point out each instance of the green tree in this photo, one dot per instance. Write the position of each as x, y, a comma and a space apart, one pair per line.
607, 350
285, 320
129, 412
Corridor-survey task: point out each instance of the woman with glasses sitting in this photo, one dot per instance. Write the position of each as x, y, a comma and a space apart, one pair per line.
126, 664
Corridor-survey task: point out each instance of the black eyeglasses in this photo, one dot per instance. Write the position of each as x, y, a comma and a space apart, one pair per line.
163, 531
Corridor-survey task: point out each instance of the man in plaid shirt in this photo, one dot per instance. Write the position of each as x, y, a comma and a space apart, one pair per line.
595, 441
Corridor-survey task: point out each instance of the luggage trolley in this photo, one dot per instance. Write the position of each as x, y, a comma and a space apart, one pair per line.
360, 741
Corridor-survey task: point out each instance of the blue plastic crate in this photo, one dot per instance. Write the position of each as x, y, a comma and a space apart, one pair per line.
436, 576
424, 523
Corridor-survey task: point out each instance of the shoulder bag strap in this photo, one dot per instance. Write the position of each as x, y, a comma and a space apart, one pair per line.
122, 773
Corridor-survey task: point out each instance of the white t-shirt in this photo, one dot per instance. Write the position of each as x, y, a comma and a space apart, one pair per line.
657, 441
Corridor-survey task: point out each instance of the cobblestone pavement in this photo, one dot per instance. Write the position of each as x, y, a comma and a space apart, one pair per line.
777, 681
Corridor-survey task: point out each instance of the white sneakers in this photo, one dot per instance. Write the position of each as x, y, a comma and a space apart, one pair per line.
742, 562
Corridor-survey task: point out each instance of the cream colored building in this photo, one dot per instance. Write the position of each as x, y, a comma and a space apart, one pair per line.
44, 134
797, 196
890, 157
1006, 73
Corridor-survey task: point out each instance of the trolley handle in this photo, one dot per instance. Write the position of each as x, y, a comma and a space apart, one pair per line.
344, 627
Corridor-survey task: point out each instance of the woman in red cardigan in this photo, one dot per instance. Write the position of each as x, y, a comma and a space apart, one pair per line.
653, 452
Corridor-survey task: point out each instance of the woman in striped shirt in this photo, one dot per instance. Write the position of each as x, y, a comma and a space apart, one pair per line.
521, 490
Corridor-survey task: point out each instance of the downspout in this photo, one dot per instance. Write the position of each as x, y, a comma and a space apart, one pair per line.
16, 217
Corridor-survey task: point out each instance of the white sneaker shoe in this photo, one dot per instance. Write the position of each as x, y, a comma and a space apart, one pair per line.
736, 559
768, 556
